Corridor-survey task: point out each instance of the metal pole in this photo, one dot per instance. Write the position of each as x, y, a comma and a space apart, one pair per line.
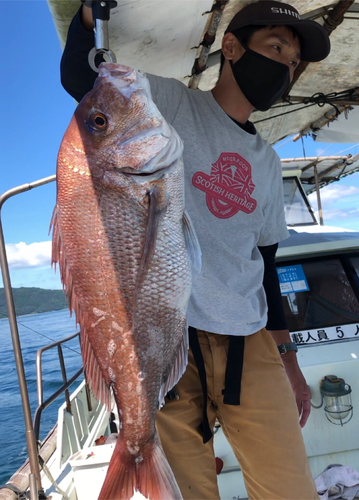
321, 220
34, 493
209, 37
34, 477
29, 431
64, 377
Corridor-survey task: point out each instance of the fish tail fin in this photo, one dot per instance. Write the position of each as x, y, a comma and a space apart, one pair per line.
156, 479
148, 473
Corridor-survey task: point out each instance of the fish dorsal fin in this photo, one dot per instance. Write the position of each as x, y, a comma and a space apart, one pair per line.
192, 243
92, 369
178, 367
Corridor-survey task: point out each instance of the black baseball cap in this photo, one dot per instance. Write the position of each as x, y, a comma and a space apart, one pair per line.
315, 44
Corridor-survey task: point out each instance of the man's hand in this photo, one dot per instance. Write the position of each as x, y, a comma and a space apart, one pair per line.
86, 15
299, 385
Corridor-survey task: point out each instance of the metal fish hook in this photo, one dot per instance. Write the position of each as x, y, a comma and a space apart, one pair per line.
108, 56
101, 16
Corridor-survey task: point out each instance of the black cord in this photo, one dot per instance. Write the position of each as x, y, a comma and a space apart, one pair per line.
318, 99
282, 114
304, 155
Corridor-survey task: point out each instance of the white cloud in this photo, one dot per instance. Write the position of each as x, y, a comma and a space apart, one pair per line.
22, 256
341, 214
339, 204
331, 193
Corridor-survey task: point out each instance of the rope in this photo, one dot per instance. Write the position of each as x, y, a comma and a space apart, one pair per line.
50, 478
21, 495
322, 99
318, 99
282, 114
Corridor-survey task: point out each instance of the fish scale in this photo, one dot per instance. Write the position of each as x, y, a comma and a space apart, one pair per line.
122, 241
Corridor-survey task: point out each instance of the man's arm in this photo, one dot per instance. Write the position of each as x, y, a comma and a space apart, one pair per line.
77, 77
299, 385
86, 17
277, 327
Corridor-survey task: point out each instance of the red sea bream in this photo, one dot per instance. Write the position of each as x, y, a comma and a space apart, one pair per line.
122, 241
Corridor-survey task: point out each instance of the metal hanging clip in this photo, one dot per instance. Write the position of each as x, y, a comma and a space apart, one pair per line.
101, 16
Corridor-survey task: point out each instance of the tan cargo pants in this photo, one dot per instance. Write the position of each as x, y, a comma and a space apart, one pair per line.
263, 431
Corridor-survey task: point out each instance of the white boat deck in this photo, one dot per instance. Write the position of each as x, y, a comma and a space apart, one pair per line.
78, 464
77, 432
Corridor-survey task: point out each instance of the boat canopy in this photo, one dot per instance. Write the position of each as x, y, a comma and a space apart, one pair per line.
182, 39
317, 172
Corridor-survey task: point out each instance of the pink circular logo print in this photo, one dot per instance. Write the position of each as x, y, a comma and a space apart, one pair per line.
229, 186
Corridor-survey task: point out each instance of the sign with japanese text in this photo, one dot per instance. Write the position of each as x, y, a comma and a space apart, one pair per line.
328, 334
292, 279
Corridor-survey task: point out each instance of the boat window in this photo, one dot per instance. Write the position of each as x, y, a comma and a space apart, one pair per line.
318, 294
355, 263
296, 205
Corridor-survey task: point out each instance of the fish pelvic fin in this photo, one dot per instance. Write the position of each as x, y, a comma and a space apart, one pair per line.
178, 367
58, 257
93, 373
192, 244
55, 254
147, 472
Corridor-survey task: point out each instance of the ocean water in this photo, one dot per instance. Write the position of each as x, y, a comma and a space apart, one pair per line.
36, 331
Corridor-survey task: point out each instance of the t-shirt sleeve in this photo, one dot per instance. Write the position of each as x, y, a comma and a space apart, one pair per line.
77, 77
276, 316
167, 93
274, 228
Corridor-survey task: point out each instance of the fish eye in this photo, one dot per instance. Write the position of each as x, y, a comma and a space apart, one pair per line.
98, 121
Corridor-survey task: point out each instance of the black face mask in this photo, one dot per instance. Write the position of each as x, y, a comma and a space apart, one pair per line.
262, 80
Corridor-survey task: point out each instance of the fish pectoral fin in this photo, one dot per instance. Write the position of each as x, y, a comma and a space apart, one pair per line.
192, 243
178, 367
154, 212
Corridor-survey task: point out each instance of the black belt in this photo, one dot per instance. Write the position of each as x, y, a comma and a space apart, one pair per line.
233, 377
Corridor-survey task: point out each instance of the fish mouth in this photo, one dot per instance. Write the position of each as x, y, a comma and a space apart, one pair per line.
132, 172
160, 164
132, 135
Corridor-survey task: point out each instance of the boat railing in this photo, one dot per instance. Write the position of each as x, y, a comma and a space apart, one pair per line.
66, 383
34, 476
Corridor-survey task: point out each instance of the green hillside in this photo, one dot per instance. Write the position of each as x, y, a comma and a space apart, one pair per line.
33, 300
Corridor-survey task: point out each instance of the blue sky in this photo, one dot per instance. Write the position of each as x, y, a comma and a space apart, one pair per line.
35, 114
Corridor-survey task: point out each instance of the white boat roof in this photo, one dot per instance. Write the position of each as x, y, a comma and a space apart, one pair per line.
315, 241
329, 169
161, 37
343, 129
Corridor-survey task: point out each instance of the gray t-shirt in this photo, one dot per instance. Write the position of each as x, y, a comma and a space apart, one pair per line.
234, 196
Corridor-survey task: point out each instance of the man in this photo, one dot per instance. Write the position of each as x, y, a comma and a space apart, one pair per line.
234, 363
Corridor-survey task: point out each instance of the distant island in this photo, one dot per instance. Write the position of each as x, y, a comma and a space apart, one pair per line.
33, 300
